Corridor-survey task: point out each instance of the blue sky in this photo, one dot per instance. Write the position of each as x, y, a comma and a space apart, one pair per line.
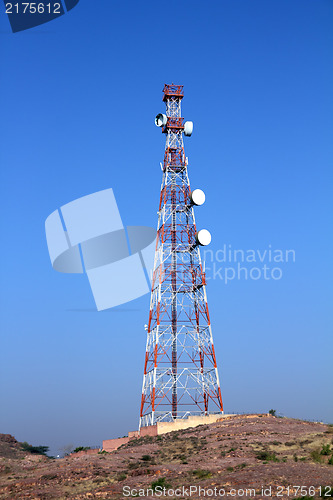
78, 101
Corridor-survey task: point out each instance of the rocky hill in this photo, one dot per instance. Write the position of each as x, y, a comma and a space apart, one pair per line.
9, 447
238, 456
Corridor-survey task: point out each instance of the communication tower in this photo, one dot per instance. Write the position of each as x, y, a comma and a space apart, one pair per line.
180, 372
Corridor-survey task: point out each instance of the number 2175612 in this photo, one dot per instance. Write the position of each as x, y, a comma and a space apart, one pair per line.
33, 8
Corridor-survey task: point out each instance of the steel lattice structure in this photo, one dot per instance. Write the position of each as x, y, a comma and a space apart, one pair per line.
180, 372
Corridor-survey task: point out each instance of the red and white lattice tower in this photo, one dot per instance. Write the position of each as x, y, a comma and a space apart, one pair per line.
180, 372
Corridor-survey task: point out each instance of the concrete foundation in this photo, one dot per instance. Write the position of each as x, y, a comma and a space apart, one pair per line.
133, 434
191, 421
163, 428
113, 444
150, 430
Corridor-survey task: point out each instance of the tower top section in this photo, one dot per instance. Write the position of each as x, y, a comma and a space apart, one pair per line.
173, 90
172, 122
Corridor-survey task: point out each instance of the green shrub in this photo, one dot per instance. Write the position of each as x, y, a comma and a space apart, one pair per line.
161, 481
202, 474
146, 458
121, 476
230, 469
38, 450
325, 449
266, 455
272, 412
316, 456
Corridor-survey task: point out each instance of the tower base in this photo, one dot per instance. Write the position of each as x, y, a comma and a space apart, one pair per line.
165, 427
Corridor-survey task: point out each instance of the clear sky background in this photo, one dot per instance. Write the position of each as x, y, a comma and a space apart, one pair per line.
78, 101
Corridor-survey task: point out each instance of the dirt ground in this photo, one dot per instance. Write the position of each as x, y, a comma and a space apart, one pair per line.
234, 458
